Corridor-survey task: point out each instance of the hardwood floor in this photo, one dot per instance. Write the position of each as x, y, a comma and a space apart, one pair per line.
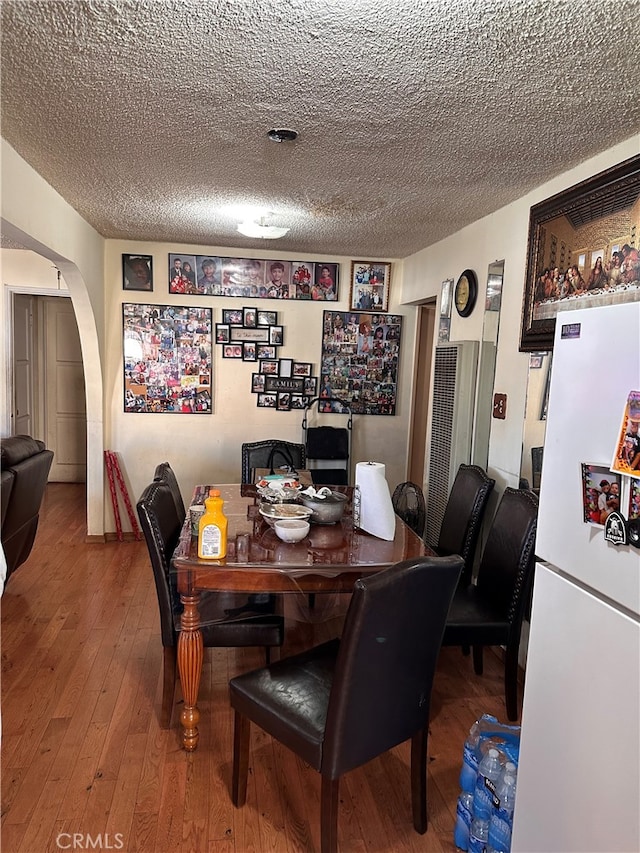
85, 764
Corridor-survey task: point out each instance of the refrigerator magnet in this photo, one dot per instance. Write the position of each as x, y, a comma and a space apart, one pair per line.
615, 529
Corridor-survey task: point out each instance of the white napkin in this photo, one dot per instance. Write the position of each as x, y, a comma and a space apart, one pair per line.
376, 510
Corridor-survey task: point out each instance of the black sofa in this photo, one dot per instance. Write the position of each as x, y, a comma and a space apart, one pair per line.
25, 469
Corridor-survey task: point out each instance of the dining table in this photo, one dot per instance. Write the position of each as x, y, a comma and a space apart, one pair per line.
330, 559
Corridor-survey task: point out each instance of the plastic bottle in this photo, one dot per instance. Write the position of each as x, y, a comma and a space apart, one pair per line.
464, 816
489, 771
212, 531
469, 770
501, 822
478, 835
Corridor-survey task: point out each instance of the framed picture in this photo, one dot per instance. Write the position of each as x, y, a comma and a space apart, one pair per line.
600, 493
283, 403
446, 292
249, 318
634, 498
370, 282
257, 383
267, 318
535, 360
222, 333
232, 350
233, 316
311, 386
626, 456
298, 401
444, 328
182, 274
301, 368
286, 367
249, 351
267, 401
269, 366
276, 335
137, 272
581, 251
267, 352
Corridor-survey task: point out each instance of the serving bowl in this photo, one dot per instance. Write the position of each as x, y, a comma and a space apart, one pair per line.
277, 512
291, 529
327, 510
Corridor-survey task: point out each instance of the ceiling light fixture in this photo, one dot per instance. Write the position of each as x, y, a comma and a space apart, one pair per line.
282, 135
260, 230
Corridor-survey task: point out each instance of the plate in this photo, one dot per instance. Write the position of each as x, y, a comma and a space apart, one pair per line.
274, 512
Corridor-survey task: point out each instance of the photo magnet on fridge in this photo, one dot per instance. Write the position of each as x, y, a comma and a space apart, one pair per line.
626, 457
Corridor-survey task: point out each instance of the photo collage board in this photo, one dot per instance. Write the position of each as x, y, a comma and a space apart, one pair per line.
167, 359
360, 358
211, 275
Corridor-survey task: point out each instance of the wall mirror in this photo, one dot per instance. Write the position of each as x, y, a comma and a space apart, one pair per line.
535, 419
487, 365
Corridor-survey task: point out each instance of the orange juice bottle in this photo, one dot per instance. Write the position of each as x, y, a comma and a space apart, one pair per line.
212, 530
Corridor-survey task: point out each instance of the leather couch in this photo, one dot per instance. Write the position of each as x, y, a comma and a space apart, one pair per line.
25, 468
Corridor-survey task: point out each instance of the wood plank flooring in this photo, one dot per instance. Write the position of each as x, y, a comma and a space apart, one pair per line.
85, 764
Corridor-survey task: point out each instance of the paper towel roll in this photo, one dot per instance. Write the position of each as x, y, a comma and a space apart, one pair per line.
376, 510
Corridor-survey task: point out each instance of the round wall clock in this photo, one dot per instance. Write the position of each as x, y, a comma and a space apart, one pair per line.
465, 293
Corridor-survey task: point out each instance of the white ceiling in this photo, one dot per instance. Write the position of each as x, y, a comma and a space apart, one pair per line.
415, 117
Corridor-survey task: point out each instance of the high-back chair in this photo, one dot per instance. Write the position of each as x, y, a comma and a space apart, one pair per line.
345, 702
165, 472
463, 516
270, 453
227, 619
491, 612
408, 503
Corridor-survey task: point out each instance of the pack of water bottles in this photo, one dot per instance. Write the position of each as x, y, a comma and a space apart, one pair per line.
484, 815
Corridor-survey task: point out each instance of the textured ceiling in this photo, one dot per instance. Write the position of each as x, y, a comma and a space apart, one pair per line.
415, 117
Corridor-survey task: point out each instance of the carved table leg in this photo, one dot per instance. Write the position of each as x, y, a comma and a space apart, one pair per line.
190, 657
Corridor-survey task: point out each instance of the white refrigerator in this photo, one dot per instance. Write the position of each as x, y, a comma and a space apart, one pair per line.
579, 770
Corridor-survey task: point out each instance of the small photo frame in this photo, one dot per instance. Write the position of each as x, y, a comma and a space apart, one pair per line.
233, 316
276, 335
249, 351
267, 318
302, 368
535, 360
222, 333
286, 365
626, 457
444, 329
232, 350
257, 383
249, 318
370, 282
634, 499
137, 272
283, 403
600, 493
298, 401
446, 295
268, 366
267, 401
268, 352
311, 386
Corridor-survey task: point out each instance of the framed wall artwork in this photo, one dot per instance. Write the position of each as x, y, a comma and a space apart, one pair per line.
167, 359
582, 251
446, 292
370, 281
137, 272
360, 357
212, 275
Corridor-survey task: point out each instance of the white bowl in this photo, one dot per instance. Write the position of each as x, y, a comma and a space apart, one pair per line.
291, 529
279, 512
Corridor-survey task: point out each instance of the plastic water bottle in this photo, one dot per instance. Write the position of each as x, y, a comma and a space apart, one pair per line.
469, 770
478, 836
501, 822
464, 816
489, 771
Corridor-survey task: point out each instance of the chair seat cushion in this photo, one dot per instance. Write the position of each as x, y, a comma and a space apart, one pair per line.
289, 699
470, 609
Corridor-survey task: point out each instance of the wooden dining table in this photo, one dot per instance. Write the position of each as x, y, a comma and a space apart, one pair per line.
329, 560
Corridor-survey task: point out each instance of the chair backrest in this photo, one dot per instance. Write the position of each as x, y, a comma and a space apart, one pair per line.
387, 658
536, 466
271, 451
161, 526
506, 568
463, 515
408, 503
165, 473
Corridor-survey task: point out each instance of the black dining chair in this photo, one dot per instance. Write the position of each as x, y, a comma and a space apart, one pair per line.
227, 619
166, 474
408, 503
463, 516
344, 702
490, 612
271, 453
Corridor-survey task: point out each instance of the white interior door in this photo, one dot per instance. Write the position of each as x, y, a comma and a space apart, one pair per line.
66, 422
24, 370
